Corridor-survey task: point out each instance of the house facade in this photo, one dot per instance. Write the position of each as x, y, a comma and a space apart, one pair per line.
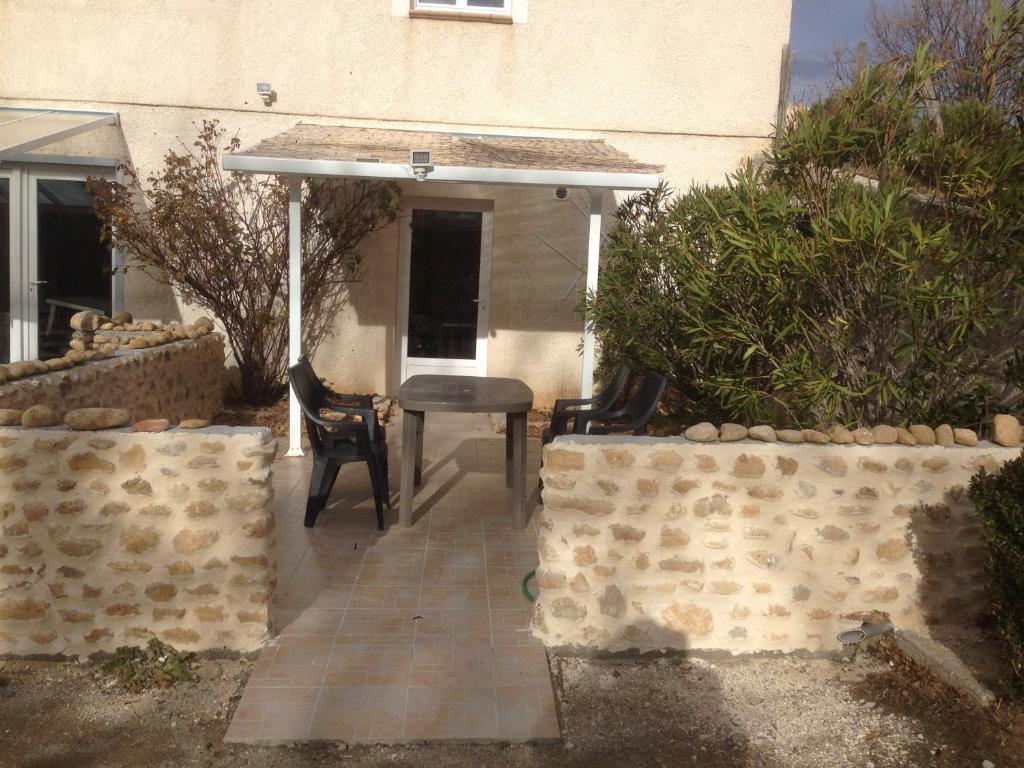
472, 277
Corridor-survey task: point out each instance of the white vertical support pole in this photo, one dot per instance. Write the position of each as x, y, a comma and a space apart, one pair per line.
593, 260
294, 306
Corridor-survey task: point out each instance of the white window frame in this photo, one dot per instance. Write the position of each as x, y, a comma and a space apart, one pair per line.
514, 10
24, 172
463, 6
477, 366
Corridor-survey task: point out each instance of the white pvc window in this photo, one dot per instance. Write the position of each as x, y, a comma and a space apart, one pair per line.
467, 6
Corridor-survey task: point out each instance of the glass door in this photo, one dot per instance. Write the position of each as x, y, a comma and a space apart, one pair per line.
446, 270
53, 261
69, 266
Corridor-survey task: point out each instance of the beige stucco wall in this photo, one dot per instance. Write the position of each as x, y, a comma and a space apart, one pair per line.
749, 546
110, 538
683, 83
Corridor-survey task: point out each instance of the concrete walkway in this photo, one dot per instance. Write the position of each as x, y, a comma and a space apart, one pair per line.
404, 635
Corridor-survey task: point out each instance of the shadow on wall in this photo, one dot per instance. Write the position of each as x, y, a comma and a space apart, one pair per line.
950, 556
537, 275
145, 296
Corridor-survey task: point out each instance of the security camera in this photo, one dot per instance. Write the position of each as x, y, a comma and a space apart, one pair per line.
422, 163
561, 193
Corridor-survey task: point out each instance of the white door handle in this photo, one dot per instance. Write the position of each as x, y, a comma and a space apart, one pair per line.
37, 282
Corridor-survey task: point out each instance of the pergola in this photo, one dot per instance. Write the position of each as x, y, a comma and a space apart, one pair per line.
344, 152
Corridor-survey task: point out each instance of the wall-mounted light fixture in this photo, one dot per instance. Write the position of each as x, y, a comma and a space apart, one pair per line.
266, 92
422, 162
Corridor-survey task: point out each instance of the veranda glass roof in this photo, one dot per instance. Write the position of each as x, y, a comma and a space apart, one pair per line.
22, 129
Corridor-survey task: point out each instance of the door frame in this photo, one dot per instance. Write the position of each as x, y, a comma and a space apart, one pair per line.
477, 367
24, 174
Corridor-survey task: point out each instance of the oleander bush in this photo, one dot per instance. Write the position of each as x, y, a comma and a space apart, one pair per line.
870, 268
999, 499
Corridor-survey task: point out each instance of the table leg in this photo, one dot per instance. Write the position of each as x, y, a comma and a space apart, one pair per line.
421, 419
508, 450
519, 470
410, 426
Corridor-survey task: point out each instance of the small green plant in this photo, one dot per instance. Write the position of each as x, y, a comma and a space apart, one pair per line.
158, 665
999, 499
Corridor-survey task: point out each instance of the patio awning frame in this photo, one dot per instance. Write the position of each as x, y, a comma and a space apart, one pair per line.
23, 129
531, 177
598, 182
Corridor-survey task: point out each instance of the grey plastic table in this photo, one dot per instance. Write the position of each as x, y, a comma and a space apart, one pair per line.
464, 394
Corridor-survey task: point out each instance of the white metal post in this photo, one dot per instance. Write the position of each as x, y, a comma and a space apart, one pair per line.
593, 260
294, 306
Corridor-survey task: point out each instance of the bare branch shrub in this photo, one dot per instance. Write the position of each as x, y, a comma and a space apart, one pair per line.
220, 240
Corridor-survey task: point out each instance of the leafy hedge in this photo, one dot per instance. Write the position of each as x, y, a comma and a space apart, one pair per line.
999, 499
870, 269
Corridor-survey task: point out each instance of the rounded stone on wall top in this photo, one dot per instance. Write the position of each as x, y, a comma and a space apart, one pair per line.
39, 416
840, 435
85, 321
89, 419
10, 417
1006, 430
924, 434
884, 434
764, 433
705, 432
964, 436
730, 433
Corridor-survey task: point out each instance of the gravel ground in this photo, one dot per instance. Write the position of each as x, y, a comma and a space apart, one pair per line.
869, 712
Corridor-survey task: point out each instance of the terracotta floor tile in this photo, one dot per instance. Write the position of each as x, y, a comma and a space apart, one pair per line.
454, 624
370, 623
520, 665
453, 598
313, 621
406, 634
449, 557
512, 627
505, 587
373, 596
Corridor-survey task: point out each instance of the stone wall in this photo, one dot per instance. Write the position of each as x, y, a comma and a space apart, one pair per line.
748, 546
110, 538
179, 380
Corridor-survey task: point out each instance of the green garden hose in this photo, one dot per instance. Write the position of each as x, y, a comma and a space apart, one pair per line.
526, 590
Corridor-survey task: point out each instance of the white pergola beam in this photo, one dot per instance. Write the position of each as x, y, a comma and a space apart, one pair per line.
593, 264
525, 177
294, 307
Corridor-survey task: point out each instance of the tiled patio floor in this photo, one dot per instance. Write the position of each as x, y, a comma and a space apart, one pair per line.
404, 635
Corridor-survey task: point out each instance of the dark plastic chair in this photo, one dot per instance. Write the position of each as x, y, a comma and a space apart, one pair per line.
339, 442
336, 398
566, 410
631, 417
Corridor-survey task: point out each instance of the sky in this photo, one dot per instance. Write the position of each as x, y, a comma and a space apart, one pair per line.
817, 26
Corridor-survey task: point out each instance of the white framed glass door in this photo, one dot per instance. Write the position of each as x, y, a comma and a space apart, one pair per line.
444, 287
56, 262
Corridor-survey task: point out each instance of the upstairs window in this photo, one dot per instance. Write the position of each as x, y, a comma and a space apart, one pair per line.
493, 7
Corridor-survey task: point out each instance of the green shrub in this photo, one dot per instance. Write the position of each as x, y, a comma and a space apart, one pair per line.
868, 270
999, 499
158, 665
